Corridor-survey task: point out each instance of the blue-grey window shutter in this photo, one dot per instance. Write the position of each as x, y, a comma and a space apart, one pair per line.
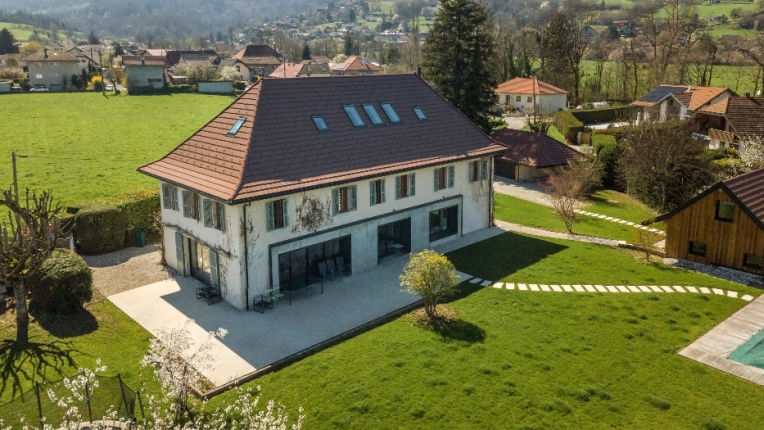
269, 215
372, 193
484, 169
222, 217
412, 184
214, 269
179, 252
207, 211
166, 197
285, 212
451, 176
397, 187
174, 196
335, 201
186, 203
382, 188
353, 197
437, 179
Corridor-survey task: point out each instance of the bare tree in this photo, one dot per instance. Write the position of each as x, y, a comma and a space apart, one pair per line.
568, 185
754, 49
27, 239
537, 119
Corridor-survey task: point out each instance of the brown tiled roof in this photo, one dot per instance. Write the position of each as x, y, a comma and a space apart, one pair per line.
355, 63
146, 60
683, 98
703, 95
744, 114
173, 56
724, 136
528, 86
53, 55
533, 149
321, 59
747, 190
287, 70
278, 150
255, 51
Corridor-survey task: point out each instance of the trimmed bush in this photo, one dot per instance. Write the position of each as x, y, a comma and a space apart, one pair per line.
607, 153
618, 113
140, 208
99, 229
568, 125
63, 283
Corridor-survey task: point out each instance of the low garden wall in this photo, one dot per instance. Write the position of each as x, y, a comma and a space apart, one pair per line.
218, 87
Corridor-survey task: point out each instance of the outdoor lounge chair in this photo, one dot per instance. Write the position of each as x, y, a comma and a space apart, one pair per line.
323, 271
332, 267
341, 266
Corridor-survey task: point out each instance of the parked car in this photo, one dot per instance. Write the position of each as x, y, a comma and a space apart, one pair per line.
39, 88
109, 87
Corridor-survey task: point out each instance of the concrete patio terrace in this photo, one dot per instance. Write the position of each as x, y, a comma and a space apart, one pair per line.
256, 340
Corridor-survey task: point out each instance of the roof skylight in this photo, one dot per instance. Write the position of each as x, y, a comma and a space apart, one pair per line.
373, 115
390, 112
320, 123
236, 126
419, 114
354, 116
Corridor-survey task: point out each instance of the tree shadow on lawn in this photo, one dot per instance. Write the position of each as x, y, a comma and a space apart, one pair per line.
500, 256
32, 362
66, 325
448, 325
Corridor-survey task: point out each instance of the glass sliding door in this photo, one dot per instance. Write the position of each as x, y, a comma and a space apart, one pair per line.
299, 268
393, 239
444, 222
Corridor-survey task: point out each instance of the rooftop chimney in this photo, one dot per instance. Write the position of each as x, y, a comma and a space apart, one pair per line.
46, 52
747, 94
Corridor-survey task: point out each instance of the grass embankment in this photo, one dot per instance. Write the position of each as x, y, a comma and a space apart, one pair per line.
611, 203
86, 147
531, 359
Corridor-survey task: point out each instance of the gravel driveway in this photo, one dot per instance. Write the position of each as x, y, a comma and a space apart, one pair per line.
127, 269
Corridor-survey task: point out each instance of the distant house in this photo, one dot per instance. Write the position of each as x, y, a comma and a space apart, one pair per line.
729, 120
236, 64
528, 154
175, 57
301, 70
261, 60
723, 225
144, 72
356, 65
670, 102
51, 68
321, 59
526, 93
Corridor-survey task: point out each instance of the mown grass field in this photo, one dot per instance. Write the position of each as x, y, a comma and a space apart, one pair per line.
526, 360
85, 146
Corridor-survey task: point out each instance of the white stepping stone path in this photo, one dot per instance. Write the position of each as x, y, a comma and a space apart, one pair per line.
718, 292
705, 290
510, 286
692, 289
556, 288
567, 288
475, 280
747, 298
485, 283
655, 289
522, 287
578, 288
644, 289
498, 285
600, 288
590, 288
545, 288
666, 288
732, 294
620, 221
622, 289
534, 287
679, 289
612, 289
633, 289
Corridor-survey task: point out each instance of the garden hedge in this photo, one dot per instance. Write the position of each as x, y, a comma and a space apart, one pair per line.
63, 283
568, 125
140, 208
618, 113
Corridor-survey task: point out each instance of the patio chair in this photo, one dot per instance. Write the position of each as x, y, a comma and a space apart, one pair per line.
323, 271
275, 294
341, 266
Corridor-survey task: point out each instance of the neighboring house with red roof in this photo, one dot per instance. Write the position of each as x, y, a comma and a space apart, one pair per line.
671, 102
305, 69
526, 93
52, 68
529, 155
298, 176
144, 72
723, 225
356, 65
261, 60
725, 123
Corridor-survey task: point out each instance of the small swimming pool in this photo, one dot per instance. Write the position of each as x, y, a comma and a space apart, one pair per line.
751, 352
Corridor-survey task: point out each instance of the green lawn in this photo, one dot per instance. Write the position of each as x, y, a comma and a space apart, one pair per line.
19, 31
518, 211
551, 132
85, 146
530, 359
621, 206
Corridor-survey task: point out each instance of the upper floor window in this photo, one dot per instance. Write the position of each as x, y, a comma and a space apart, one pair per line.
725, 211
390, 112
276, 214
53, 64
37, 64
419, 114
355, 117
478, 170
169, 196
190, 205
320, 123
405, 186
373, 115
444, 178
214, 214
344, 199
377, 192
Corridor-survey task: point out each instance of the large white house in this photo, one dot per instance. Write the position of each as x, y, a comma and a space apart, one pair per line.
144, 72
300, 174
52, 69
529, 93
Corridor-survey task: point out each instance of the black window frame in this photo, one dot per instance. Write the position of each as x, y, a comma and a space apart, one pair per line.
699, 254
347, 109
236, 126
387, 113
419, 114
370, 107
717, 217
452, 223
321, 117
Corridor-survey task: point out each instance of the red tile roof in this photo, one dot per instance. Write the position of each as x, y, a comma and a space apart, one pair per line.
146, 60
287, 70
255, 51
355, 63
278, 150
533, 149
528, 86
744, 114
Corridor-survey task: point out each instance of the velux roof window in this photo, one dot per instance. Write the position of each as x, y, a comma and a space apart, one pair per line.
419, 114
354, 116
373, 115
236, 126
390, 112
320, 123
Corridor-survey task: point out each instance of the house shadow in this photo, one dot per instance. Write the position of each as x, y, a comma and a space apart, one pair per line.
62, 326
500, 256
20, 364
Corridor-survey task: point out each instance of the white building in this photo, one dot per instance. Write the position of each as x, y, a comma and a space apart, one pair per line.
297, 174
527, 93
51, 68
144, 72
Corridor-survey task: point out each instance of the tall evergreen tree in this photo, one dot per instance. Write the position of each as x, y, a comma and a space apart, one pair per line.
457, 55
6, 42
306, 52
348, 44
93, 39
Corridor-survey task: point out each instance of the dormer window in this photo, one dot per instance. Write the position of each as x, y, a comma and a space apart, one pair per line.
354, 116
236, 126
390, 112
419, 114
373, 115
320, 123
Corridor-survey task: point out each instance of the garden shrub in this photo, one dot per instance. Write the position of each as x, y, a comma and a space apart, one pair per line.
63, 283
100, 229
618, 113
140, 208
240, 85
607, 153
568, 125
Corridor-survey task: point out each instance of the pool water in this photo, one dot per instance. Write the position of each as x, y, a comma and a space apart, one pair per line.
751, 352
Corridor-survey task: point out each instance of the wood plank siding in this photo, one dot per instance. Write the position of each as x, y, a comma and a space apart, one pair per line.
726, 242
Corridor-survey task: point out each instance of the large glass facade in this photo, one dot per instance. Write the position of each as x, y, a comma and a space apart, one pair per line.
443, 223
299, 268
393, 239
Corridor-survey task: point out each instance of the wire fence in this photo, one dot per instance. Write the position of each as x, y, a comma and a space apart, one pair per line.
35, 407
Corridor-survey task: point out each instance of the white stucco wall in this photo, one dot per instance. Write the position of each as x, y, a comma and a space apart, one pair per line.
549, 102
139, 76
472, 198
52, 73
221, 87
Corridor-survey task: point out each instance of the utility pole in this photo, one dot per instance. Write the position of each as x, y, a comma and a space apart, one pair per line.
100, 66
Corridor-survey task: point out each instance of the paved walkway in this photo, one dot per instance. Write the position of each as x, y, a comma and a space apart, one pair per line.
620, 221
519, 228
530, 191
